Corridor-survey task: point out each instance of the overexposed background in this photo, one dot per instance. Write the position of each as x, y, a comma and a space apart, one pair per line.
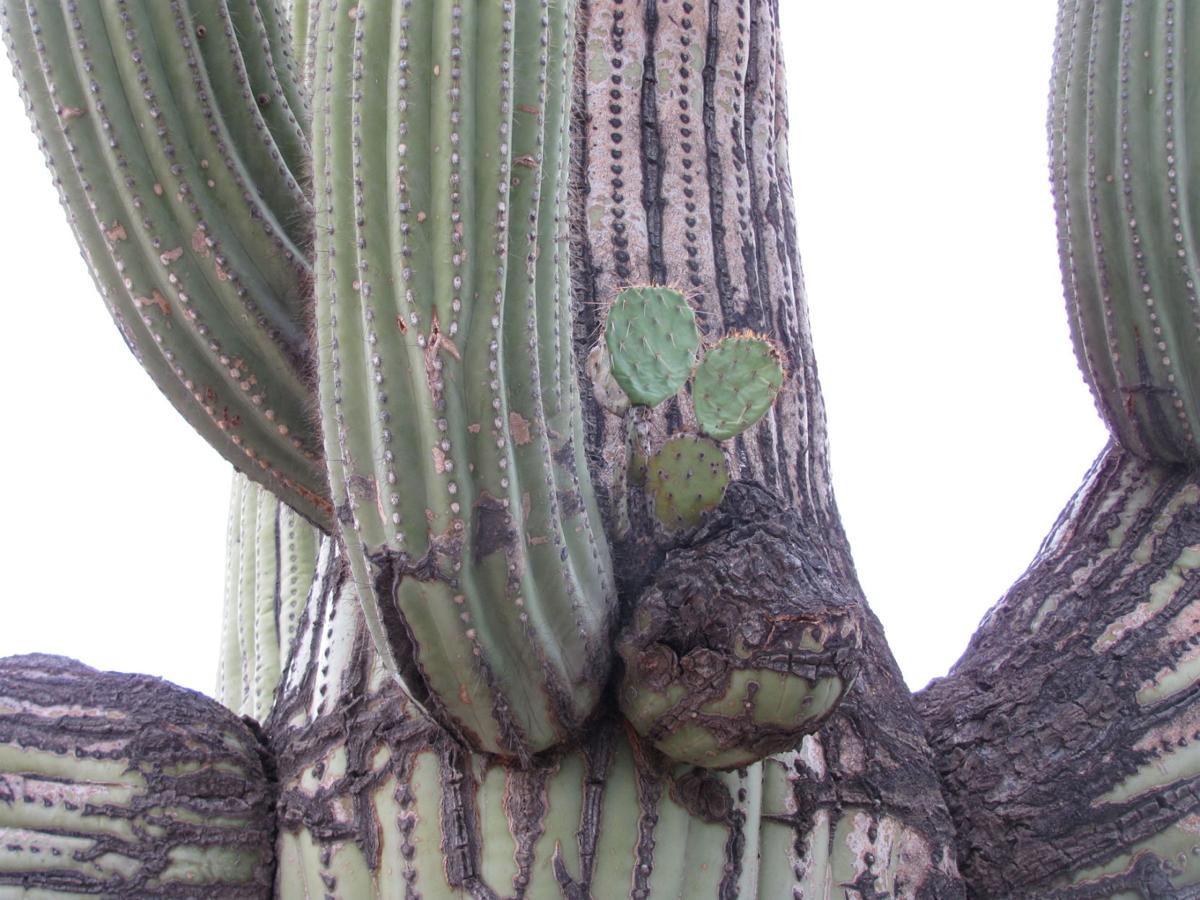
959, 423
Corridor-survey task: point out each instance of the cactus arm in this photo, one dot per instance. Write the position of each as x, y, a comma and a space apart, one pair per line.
1119, 132
182, 301
290, 117
124, 785
270, 558
498, 620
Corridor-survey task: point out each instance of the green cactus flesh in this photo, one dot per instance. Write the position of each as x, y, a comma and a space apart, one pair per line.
685, 478
183, 195
270, 556
652, 341
1120, 123
126, 786
451, 418
735, 384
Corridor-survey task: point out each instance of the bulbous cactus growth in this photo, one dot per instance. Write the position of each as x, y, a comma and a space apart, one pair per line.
448, 393
743, 642
1121, 124
125, 786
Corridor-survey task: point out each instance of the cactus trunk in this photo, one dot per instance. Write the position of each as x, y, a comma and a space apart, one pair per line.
421, 223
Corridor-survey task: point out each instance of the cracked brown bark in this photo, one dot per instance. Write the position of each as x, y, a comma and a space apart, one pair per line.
126, 786
1066, 734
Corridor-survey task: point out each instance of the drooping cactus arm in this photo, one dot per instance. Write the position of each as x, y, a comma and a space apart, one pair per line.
182, 196
475, 545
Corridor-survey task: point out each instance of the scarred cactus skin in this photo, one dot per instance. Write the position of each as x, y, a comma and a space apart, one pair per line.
448, 391
176, 151
743, 643
119, 785
1122, 111
735, 384
652, 340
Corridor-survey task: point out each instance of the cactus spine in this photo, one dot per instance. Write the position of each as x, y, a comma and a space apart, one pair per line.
452, 428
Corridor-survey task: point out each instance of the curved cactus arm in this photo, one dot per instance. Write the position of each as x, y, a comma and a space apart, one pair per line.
453, 444
182, 205
402, 804
125, 785
1089, 746
270, 557
1121, 127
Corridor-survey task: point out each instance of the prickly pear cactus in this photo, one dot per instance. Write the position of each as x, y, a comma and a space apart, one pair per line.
735, 384
448, 395
126, 786
685, 479
652, 340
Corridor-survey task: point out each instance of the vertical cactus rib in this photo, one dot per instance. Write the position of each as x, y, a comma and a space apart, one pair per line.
1119, 133
452, 428
154, 185
270, 557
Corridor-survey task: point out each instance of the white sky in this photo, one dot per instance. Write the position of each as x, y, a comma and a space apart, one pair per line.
959, 423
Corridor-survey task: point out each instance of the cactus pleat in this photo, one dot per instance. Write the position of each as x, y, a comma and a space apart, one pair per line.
735, 384
652, 341
270, 556
123, 785
191, 254
453, 435
1120, 124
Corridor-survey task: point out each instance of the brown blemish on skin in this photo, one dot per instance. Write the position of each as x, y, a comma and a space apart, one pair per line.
200, 241
518, 427
116, 232
67, 113
170, 256
155, 299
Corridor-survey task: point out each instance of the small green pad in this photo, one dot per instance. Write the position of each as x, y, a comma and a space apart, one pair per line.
686, 478
652, 342
736, 383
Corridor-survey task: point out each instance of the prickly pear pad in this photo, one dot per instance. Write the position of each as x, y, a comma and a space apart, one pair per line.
652, 341
736, 383
686, 478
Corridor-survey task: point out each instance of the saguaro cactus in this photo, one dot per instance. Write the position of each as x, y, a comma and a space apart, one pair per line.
367, 248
